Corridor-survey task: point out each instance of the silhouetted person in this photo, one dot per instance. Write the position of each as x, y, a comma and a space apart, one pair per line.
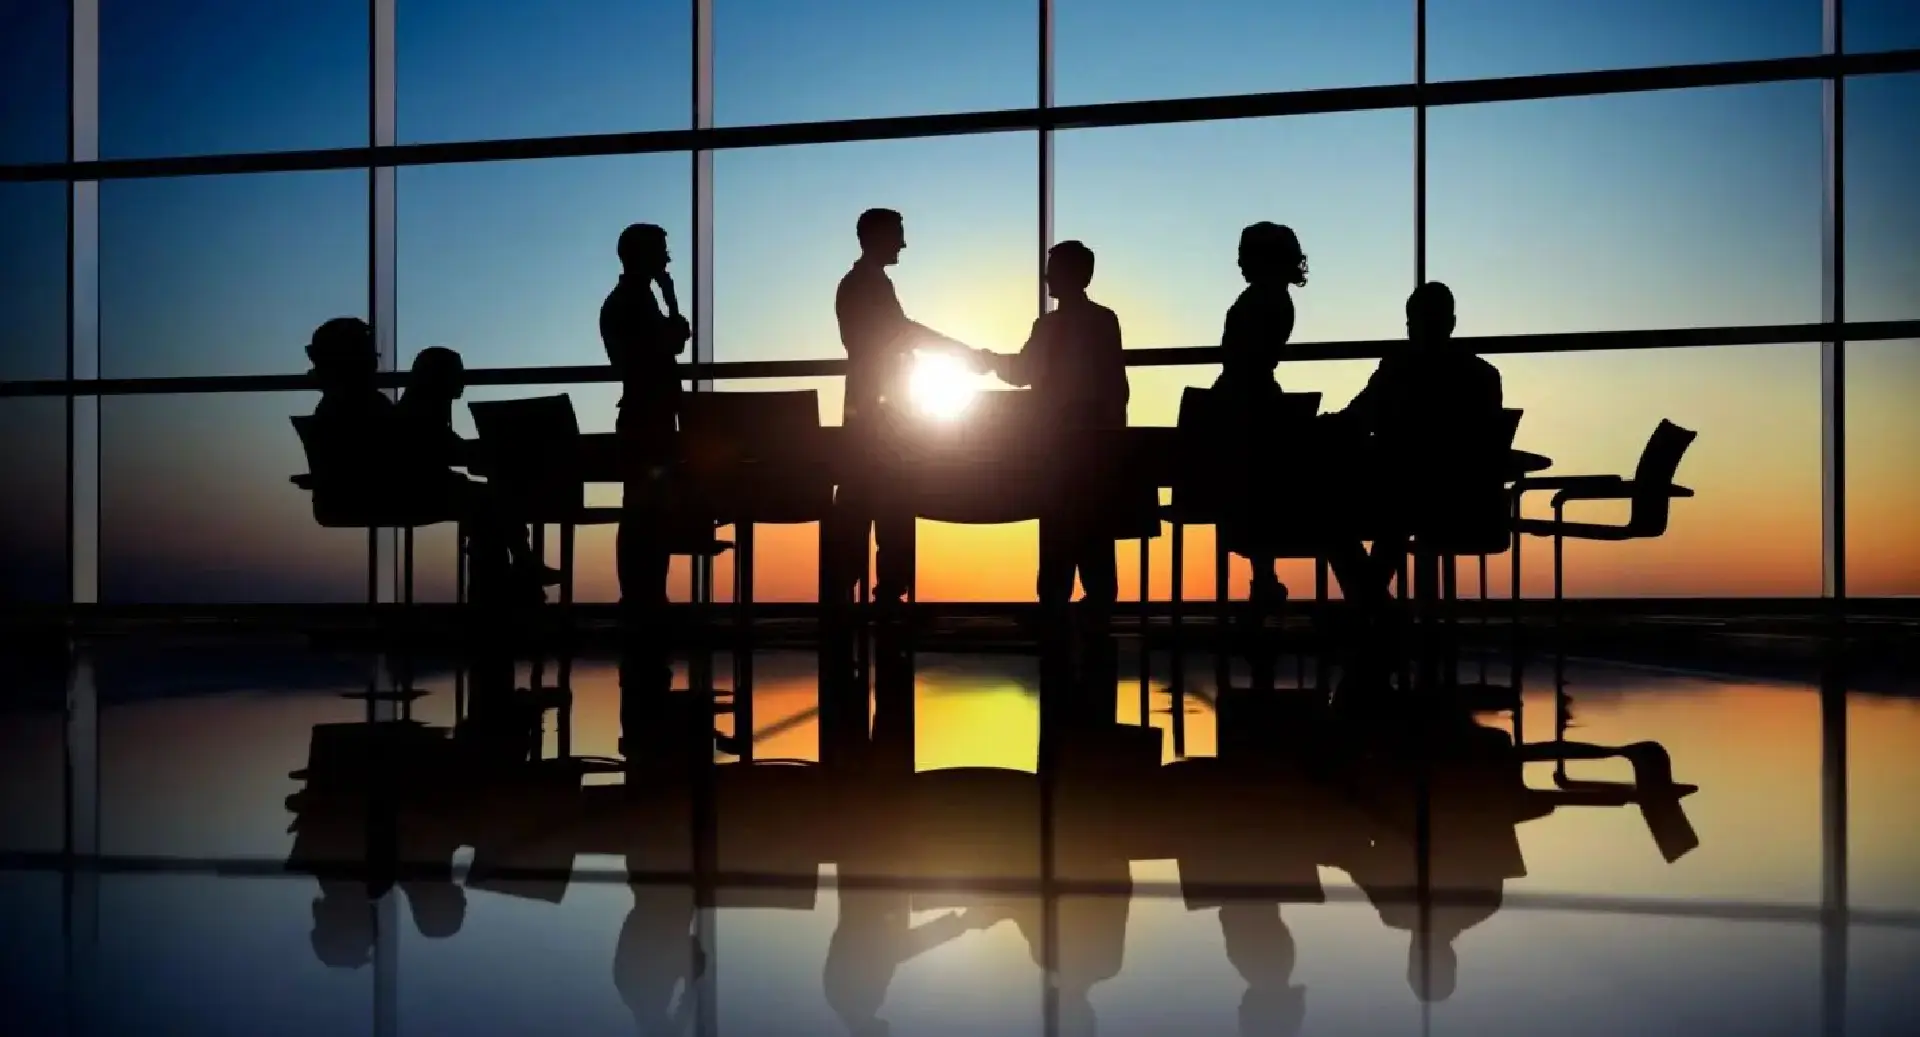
502, 726
661, 729
1074, 363
647, 730
880, 341
428, 446
1091, 930
846, 714
1468, 778
425, 411
1258, 821
658, 953
1473, 850
373, 814
354, 419
1435, 383
350, 449
892, 746
345, 364
642, 342
874, 937
1261, 949
1255, 336
1416, 412
875, 934
1095, 766
668, 741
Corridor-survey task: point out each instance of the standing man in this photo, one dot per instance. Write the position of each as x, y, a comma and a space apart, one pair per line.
642, 343
880, 341
1073, 361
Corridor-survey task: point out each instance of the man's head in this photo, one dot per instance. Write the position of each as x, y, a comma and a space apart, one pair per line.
1069, 270
438, 371
1432, 976
343, 930
643, 250
882, 233
1270, 253
343, 354
1430, 313
439, 908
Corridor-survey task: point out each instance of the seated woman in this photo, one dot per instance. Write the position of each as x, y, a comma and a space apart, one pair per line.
1257, 328
428, 449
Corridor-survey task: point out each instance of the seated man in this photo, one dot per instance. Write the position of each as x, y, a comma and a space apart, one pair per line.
429, 449
1414, 407
345, 363
1431, 386
372, 814
1073, 360
352, 464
